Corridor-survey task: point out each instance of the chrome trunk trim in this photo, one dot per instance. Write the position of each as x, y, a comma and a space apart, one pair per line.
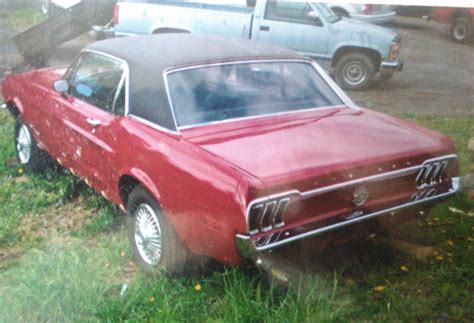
359, 181
248, 244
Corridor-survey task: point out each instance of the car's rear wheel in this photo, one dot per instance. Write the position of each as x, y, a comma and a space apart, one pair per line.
28, 154
155, 244
354, 71
461, 30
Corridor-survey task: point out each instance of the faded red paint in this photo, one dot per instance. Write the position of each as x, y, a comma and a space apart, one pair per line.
205, 177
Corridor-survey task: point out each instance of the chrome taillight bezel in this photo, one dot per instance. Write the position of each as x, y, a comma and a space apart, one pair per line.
264, 215
433, 173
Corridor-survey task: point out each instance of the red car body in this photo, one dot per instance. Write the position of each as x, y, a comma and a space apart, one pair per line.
210, 179
460, 21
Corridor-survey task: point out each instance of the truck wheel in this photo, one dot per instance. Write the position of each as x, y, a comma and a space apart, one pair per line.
28, 154
155, 244
354, 71
461, 30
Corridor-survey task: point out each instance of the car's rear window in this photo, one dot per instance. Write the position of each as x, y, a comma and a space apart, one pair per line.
231, 91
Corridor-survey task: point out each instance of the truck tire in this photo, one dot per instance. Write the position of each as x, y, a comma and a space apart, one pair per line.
461, 30
29, 156
154, 243
354, 71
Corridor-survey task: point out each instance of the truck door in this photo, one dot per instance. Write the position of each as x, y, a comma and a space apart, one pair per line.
295, 25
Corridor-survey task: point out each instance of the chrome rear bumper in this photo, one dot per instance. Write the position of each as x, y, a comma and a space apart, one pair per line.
247, 248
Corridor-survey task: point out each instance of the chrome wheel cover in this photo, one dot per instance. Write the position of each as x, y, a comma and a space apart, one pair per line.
459, 32
23, 144
354, 73
148, 238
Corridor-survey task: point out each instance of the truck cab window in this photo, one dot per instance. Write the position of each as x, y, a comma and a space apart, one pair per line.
293, 12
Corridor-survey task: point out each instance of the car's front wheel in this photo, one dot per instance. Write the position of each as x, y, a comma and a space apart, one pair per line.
461, 30
354, 71
27, 152
155, 244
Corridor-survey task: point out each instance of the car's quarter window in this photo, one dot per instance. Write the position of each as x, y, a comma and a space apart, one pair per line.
294, 12
239, 90
98, 80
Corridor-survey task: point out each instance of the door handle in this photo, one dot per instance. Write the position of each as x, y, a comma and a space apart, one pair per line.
93, 122
265, 28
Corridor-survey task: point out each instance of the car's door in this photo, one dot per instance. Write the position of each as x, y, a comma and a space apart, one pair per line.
92, 109
295, 25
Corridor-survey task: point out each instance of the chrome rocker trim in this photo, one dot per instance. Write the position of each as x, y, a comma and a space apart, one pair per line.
247, 248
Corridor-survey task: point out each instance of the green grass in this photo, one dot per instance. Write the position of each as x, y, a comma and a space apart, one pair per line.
21, 19
77, 273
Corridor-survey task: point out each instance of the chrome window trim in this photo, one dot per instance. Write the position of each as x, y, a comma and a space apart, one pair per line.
332, 85
126, 73
455, 188
330, 188
259, 116
153, 125
117, 94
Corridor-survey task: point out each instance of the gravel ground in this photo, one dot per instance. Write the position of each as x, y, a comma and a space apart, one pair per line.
438, 77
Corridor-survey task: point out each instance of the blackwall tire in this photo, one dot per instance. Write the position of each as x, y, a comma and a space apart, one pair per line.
154, 243
29, 156
461, 30
354, 71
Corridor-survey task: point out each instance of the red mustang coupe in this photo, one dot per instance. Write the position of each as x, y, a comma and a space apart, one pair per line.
222, 147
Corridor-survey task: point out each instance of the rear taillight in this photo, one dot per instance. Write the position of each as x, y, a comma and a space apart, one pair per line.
116, 14
367, 8
268, 215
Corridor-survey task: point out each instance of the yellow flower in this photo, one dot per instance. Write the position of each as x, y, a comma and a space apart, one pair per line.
21, 170
440, 258
404, 268
198, 287
450, 242
379, 288
151, 299
122, 253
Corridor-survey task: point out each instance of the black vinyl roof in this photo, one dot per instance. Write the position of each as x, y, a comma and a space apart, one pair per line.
149, 56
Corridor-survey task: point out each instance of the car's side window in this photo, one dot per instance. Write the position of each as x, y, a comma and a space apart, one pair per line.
98, 80
294, 12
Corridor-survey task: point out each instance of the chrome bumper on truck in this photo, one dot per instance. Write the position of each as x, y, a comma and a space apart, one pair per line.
427, 176
390, 67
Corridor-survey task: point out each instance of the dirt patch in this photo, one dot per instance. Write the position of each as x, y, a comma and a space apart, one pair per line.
67, 218
420, 252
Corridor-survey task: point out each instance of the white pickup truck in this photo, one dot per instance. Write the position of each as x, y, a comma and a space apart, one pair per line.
353, 52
